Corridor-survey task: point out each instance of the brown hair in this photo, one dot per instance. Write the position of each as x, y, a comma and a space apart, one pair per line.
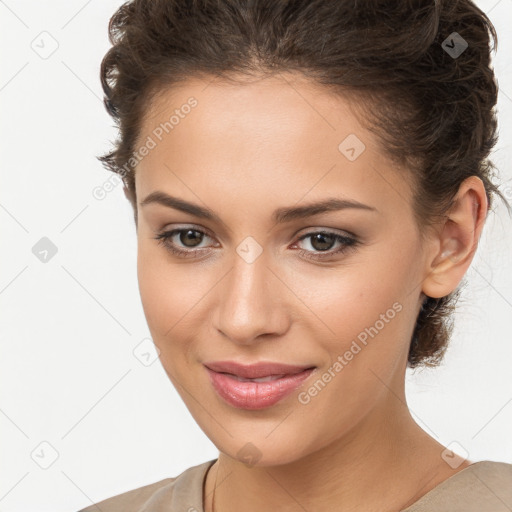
431, 110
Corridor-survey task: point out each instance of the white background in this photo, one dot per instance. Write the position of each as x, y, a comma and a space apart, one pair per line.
69, 376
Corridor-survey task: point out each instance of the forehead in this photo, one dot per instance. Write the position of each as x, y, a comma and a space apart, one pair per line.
273, 136
255, 109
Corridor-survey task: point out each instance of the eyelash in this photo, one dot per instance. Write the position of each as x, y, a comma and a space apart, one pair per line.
349, 244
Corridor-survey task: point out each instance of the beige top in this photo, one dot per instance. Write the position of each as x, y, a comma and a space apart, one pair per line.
484, 486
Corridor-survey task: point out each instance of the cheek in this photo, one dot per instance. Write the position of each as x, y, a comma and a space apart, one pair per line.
174, 297
369, 309
152, 278
371, 324
371, 318
168, 293
352, 301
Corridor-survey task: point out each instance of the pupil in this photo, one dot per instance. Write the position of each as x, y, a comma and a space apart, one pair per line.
186, 237
321, 237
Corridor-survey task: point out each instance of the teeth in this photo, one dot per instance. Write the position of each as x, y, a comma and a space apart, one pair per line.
261, 379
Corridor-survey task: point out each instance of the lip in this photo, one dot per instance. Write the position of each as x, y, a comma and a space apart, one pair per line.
255, 370
255, 395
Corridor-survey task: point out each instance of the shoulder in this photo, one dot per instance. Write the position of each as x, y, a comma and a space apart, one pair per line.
483, 486
183, 492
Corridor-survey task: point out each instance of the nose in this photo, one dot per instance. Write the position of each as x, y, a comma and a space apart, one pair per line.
251, 302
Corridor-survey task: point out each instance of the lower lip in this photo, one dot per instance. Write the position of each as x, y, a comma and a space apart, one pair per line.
255, 395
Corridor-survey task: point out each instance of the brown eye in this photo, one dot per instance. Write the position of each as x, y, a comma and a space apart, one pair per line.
322, 245
183, 242
322, 241
190, 237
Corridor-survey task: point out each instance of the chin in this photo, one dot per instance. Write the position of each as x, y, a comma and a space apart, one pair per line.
260, 450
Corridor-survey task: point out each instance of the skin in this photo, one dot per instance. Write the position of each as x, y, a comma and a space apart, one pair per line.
245, 150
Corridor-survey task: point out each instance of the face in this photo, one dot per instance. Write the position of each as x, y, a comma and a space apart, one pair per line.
337, 289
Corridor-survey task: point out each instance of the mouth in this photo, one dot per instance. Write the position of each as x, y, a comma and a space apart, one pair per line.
256, 391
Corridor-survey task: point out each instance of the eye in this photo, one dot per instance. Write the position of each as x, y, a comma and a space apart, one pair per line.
189, 237
323, 241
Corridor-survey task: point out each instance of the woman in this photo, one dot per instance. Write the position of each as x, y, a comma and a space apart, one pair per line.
309, 182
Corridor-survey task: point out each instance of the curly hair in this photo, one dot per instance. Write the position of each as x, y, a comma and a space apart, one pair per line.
432, 111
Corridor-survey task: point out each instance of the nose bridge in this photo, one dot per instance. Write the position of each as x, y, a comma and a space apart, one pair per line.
247, 304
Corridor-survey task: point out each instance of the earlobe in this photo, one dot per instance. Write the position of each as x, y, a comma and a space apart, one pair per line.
457, 239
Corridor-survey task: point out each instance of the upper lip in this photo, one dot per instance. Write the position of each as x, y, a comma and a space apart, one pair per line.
255, 370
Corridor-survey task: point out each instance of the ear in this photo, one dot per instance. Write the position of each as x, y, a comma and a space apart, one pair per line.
456, 240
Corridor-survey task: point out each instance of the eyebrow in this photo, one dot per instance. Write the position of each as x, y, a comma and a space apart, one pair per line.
281, 215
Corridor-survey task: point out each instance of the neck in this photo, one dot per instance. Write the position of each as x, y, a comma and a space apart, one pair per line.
386, 462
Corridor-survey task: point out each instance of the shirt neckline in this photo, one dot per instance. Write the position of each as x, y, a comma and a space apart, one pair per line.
201, 483
441, 485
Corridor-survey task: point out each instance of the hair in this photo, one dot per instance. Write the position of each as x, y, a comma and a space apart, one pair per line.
432, 112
